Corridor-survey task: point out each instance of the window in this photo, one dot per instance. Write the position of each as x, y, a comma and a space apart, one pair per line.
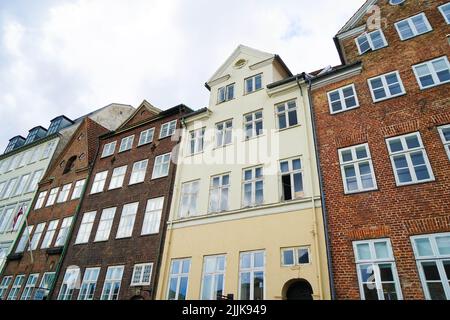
6, 221
111, 287
48, 149
377, 273
253, 187
46, 282
4, 285
40, 200
108, 149
49, 234
445, 10
161, 167
291, 179
118, 175
127, 219
138, 172
14, 163
152, 218
63, 232
24, 239
251, 275
295, 256
52, 197
357, 169
371, 41
37, 235
78, 189
69, 283
2, 188
253, 84
9, 188
126, 143
409, 159
196, 141
29, 286
253, 124
287, 114
168, 129
445, 136
413, 26
179, 279
225, 93
35, 178
21, 185
213, 281
146, 136
432, 254
4, 251
396, 2
25, 159
189, 196
54, 127
142, 274
386, 86
99, 182
343, 99
37, 152
85, 228
432, 73
105, 225
224, 133
218, 193
15, 289
32, 136
64, 194
88, 284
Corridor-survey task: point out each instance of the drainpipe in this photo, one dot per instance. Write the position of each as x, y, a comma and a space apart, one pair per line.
322, 194
313, 203
72, 227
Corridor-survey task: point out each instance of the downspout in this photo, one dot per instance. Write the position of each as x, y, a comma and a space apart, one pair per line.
72, 227
313, 203
322, 194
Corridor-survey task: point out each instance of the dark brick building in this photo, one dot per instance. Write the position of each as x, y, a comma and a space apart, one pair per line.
382, 122
115, 249
31, 272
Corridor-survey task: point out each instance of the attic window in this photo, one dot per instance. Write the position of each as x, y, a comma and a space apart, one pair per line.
240, 63
82, 156
396, 2
70, 164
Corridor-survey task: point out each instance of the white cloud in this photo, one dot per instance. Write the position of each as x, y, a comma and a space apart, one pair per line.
77, 55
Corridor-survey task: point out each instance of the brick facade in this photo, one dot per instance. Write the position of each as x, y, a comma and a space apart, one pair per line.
391, 211
138, 248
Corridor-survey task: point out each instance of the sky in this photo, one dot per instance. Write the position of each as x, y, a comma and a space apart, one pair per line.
74, 56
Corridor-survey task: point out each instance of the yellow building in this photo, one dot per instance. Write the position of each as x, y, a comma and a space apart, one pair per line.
246, 214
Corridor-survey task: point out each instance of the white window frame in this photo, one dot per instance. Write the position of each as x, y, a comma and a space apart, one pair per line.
63, 232
219, 189
22, 183
68, 284
117, 177
78, 189
253, 80
178, 276
4, 285
141, 282
112, 281
386, 86
159, 165
214, 275
252, 270
253, 182
29, 286
168, 129
35, 178
85, 229
89, 284
407, 153
37, 235
253, 122
369, 40
10, 186
127, 220
292, 174
441, 9
375, 262
355, 162
295, 255
52, 197
196, 141
226, 92
98, 186
105, 224
47, 281
342, 99
17, 285
433, 72
138, 172
189, 190
64, 193
413, 27
152, 216
146, 137
109, 149
126, 144
49, 234
40, 200
436, 258
222, 134
445, 143
23, 242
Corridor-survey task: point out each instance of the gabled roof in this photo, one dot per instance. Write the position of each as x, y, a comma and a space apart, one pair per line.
136, 115
353, 22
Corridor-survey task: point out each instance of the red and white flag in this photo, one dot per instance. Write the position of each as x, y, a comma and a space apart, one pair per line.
16, 218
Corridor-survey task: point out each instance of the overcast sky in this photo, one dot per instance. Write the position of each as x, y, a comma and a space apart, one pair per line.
73, 56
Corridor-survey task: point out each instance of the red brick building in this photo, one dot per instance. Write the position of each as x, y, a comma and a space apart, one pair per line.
31, 272
383, 133
116, 246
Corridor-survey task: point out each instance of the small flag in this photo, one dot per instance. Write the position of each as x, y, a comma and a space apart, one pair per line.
16, 218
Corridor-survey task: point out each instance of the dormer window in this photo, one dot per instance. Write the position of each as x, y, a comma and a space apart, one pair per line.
11, 145
225, 93
31, 136
371, 41
253, 84
54, 127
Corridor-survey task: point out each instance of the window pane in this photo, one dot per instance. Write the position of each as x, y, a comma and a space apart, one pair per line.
443, 244
363, 251
367, 273
347, 155
386, 272
282, 121
405, 29
431, 271
259, 260
303, 256
389, 291
258, 286
381, 250
245, 286
288, 257
423, 246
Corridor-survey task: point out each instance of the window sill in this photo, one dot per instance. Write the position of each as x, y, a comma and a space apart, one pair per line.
345, 110
254, 138
119, 152
124, 238
136, 183
389, 98
414, 183
360, 192
162, 138
223, 146
144, 144
433, 86
219, 103
249, 93
416, 36
291, 127
194, 154
158, 178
